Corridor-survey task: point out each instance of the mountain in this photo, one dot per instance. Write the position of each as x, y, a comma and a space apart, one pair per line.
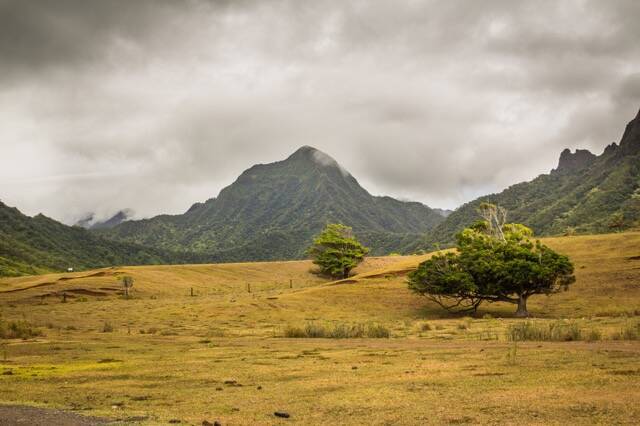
30, 245
89, 222
273, 210
584, 194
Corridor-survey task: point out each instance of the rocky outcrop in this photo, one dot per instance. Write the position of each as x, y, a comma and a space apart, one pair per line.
630, 142
571, 162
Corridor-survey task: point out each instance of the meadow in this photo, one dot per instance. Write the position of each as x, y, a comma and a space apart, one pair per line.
208, 342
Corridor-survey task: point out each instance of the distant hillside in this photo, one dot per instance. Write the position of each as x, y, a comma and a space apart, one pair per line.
273, 210
584, 194
38, 244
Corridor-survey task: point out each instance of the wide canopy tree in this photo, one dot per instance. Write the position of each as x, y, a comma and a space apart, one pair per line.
494, 262
336, 251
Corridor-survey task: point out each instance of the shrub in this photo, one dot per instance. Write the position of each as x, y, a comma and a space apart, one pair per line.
107, 327
18, 330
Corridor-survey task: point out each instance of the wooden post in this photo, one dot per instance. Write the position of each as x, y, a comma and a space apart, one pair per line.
290, 283
191, 291
248, 287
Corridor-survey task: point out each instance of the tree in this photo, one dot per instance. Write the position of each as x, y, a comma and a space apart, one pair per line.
492, 265
337, 251
127, 283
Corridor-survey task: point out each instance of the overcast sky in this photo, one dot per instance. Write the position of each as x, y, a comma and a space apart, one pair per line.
154, 105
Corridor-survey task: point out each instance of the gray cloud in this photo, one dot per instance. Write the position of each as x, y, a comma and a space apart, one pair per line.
154, 105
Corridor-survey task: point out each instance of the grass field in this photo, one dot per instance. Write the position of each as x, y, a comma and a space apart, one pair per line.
220, 355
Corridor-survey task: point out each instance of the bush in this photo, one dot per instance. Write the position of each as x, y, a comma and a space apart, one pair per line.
338, 331
107, 327
18, 330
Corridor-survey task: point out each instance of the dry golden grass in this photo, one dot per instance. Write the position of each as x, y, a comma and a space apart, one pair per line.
219, 355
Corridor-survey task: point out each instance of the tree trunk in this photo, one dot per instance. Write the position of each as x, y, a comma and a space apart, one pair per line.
522, 312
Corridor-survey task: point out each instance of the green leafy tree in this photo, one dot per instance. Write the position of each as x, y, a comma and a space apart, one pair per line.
492, 265
336, 251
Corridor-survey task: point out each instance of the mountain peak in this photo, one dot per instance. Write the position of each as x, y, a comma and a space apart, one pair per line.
630, 142
572, 161
309, 153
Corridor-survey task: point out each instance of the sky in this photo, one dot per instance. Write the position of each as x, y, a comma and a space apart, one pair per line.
156, 105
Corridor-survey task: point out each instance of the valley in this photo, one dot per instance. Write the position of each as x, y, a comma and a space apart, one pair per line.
222, 354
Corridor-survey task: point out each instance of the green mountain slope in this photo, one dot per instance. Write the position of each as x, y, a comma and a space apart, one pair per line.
30, 245
585, 194
272, 211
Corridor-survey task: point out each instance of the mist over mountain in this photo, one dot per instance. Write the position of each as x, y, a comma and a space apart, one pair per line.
89, 221
273, 210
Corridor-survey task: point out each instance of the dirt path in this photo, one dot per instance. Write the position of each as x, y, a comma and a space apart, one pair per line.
22, 415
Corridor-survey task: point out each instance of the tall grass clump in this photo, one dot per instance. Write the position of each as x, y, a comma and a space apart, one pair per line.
629, 332
313, 330
377, 331
294, 332
557, 331
17, 330
107, 327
